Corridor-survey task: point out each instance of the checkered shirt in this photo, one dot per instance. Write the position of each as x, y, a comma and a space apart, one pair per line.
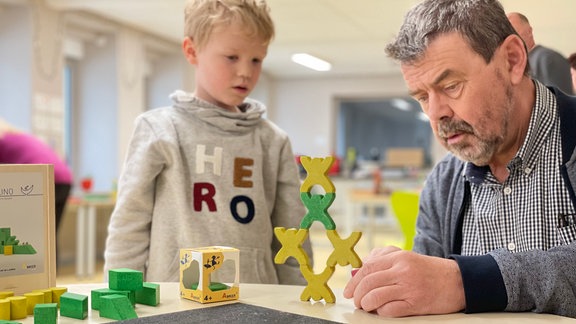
532, 208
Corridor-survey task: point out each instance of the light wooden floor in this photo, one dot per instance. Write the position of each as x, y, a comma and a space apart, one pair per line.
66, 274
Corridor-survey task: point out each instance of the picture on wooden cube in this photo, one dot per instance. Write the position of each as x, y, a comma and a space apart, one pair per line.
9, 244
209, 274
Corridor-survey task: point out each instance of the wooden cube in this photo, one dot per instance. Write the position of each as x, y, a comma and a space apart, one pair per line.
125, 279
97, 294
46, 313
117, 307
196, 268
74, 305
149, 294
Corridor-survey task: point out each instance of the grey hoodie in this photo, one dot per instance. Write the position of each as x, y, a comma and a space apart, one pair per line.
198, 175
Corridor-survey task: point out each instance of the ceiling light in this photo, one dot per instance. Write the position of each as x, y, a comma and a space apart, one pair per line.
423, 117
311, 62
401, 104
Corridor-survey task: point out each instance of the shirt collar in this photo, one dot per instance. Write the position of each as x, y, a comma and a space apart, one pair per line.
541, 122
542, 119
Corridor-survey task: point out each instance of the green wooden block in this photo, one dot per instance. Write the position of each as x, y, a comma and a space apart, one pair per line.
96, 294
132, 297
213, 286
117, 307
46, 313
74, 305
125, 279
149, 294
8, 322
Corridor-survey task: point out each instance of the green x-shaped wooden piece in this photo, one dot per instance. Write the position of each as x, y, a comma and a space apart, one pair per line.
317, 206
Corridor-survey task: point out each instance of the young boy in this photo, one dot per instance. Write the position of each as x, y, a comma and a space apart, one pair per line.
210, 170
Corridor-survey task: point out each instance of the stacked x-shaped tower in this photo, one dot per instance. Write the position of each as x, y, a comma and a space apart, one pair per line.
292, 238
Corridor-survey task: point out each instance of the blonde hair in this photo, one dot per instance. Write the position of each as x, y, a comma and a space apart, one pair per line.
202, 16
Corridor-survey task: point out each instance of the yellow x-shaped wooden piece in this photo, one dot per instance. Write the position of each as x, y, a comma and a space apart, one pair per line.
291, 240
317, 173
344, 253
317, 287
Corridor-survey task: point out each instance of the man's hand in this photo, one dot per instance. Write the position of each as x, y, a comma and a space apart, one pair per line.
397, 283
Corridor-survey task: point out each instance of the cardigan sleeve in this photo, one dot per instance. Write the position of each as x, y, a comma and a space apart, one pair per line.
483, 284
540, 281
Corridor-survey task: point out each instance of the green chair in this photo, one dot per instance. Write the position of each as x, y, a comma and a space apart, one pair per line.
405, 207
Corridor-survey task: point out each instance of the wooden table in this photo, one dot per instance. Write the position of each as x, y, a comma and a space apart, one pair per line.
287, 299
360, 198
86, 231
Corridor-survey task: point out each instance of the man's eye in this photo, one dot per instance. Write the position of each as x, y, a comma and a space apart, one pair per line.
453, 90
451, 87
422, 99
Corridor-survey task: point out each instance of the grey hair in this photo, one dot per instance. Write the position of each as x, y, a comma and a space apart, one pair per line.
483, 23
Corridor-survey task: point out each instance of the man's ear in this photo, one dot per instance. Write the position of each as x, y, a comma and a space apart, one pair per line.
190, 51
516, 57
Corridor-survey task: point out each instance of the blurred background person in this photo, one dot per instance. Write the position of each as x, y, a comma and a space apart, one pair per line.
546, 65
19, 147
572, 61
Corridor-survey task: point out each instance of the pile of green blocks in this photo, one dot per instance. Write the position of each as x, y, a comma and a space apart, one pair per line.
126, 288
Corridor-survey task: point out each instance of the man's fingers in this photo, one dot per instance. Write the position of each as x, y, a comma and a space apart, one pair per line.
396, 308
378, 297
377, 261
373, 286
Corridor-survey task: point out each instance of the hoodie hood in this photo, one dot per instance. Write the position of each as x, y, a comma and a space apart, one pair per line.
250, 115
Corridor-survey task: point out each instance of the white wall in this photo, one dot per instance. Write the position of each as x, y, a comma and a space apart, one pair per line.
96, 125
163, 79
306, 109
16, 77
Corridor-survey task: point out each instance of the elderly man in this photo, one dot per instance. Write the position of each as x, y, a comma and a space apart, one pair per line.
497, 220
